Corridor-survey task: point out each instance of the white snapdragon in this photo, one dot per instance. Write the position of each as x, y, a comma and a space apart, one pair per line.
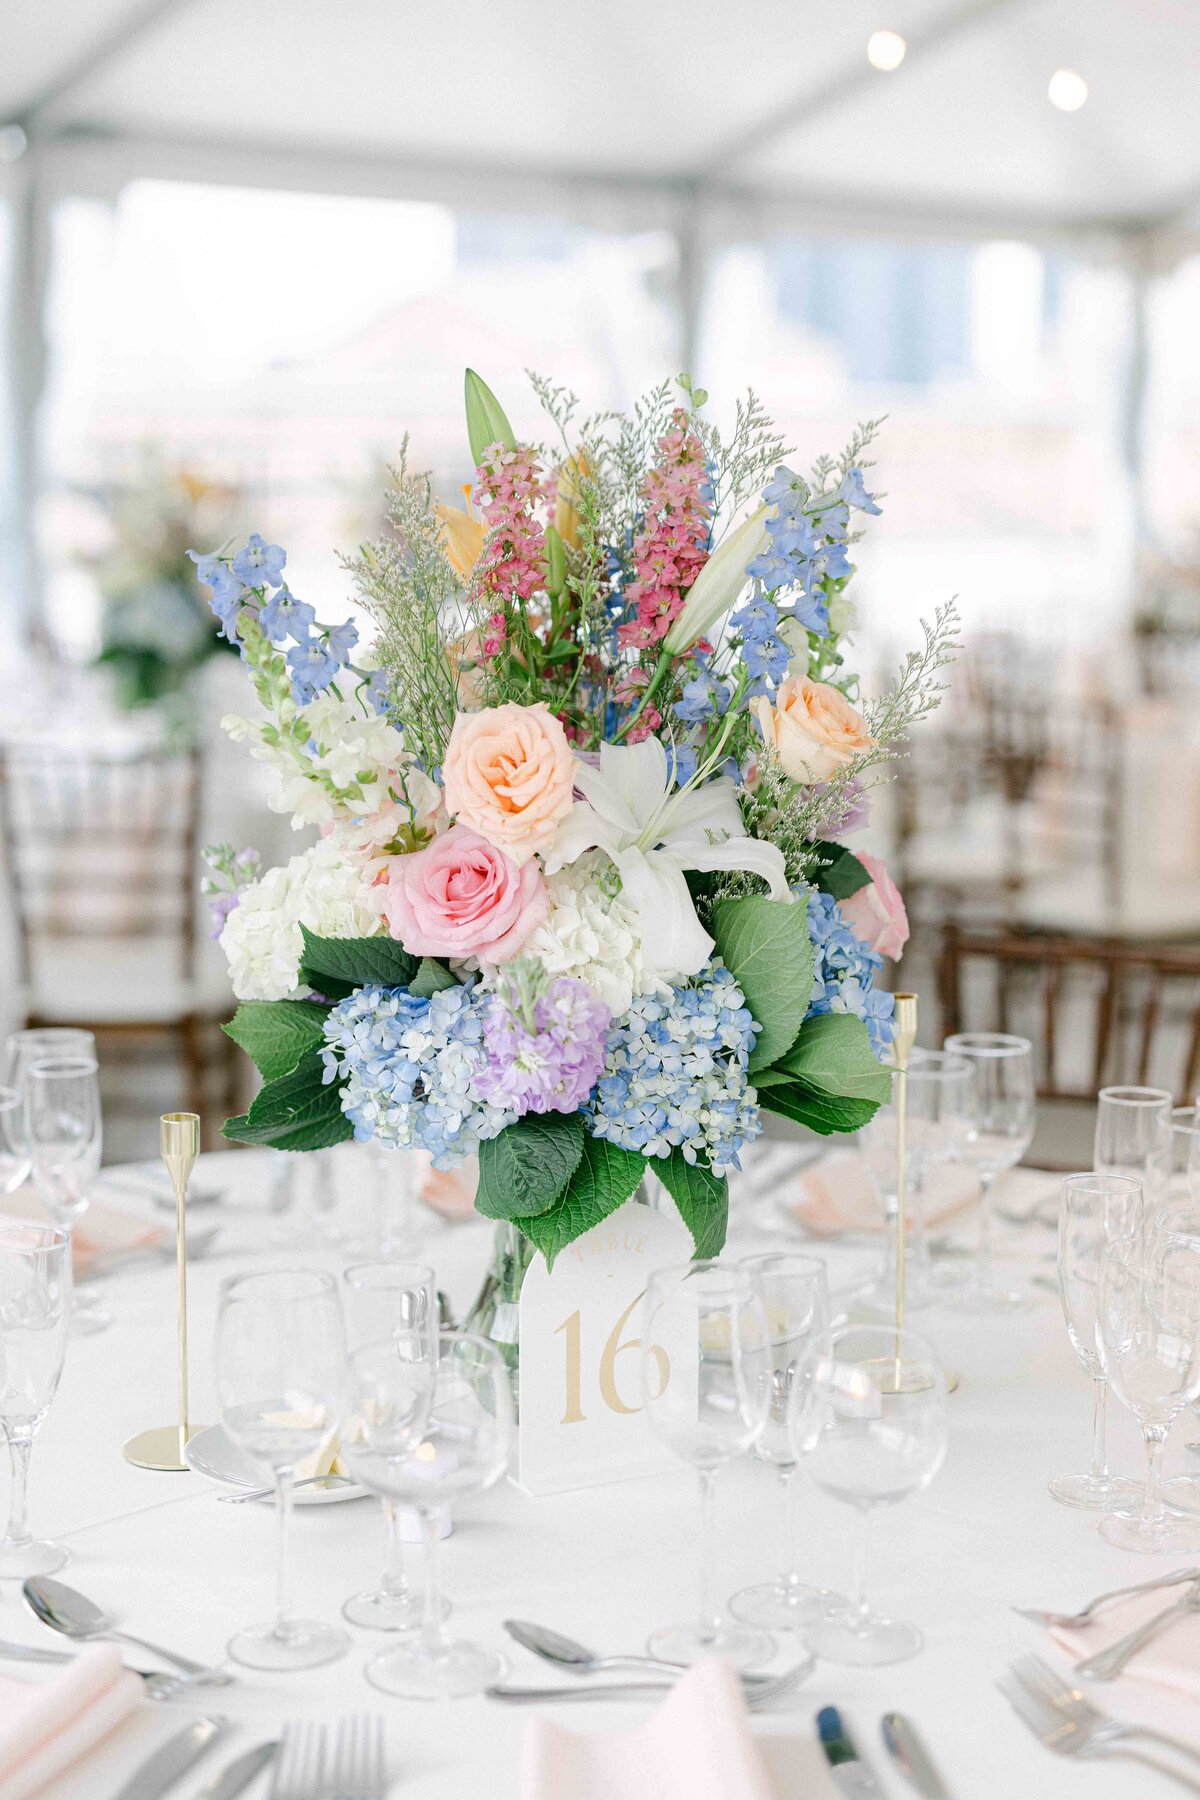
322, 888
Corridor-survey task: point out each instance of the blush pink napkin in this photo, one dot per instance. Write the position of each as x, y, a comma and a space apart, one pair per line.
697, 1746
837, 1193
1170, 1662
104, 1232
47, 1727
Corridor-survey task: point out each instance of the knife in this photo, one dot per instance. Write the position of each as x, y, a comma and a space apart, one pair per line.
911, 1757
854, 1778
239, 1773
162, 1769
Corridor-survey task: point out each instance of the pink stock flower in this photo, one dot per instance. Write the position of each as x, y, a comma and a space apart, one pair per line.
876, 913
671, 548
463, 897
512, 564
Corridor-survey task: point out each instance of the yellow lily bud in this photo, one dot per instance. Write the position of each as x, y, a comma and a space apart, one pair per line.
465, 537
566, 509
718, 584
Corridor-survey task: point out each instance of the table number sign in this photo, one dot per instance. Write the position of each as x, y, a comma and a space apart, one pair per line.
581, 1418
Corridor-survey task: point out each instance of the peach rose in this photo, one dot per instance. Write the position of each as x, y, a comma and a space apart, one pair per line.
812, 728
463, 897
508, 774
876, 913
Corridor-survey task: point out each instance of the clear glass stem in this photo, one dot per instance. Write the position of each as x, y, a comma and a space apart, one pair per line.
709, 1623
1153, 1512
789, 1578
433, 1633
20, 1443
394, 1583
1099, 1424
860, 1610
987, 1232
283, 1512
917, 1250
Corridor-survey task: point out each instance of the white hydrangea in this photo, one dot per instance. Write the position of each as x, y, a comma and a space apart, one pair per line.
322, 888
591, 932
340, 763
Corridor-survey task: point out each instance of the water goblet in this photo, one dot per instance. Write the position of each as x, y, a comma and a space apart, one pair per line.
869, 1440
396, 1300
1148, 1334
706, 1379
796, 1290
1133, 1137
425, 1434
1001, 1109
280, 1382
35, 1306
1095, 1210
63, 1131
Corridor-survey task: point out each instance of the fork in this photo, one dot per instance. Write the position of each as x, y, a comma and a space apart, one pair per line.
1072, 1621
300, 1767
1056, 1733
359, 1761
1078, 1714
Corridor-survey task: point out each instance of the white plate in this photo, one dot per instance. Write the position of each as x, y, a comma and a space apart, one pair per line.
213, 1454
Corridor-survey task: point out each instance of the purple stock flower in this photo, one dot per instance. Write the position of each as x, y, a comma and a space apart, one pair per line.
545, 1044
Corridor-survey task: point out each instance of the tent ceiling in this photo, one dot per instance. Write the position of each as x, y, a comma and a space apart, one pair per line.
770, 97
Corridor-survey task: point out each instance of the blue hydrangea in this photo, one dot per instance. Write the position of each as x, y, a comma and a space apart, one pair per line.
411, 1066
675, 1074
844, 971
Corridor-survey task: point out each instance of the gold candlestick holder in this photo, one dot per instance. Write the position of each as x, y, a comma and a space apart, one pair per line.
162, 1447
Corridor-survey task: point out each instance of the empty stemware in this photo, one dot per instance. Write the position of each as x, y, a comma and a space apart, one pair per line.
14, 1149
1001, 1107
870, 1441
1095, 1211
706, 1377
1133, 1137
63, 1131
938, 1127
35, 1306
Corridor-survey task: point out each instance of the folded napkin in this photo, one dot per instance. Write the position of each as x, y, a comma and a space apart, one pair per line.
696, 1747
837, 1193
47, 1727
1170, 1661
104, 1234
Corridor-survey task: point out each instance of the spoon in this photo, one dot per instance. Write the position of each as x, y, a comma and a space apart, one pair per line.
565, 1653
63, 1609
159, 1684
768, 1688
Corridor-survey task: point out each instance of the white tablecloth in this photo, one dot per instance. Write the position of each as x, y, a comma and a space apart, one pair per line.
606, 1566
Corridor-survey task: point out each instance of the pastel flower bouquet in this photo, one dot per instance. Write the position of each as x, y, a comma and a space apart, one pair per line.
578, 905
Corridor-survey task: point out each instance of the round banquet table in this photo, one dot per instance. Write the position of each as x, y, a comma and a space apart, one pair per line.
605, 1565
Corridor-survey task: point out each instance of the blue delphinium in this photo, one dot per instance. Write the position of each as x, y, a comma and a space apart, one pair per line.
283, 616
844, 971
675, 1074
259, 564
411, 1066
763, 651
808, 544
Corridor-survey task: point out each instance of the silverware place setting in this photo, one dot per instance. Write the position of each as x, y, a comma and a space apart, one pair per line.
759, 1693
350, 1764
1067, 1621
1067, 1723
65, 1610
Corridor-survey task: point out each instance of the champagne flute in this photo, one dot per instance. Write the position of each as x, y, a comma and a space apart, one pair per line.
1183, 1154
396, 1300
280, 1379
796, 1290
1001, 1109
1095, 1210
21, 1050
706, 1378
35, 1305
14, 1151
869, 1441
425, 1433
1133, 1137
63, 1130
1148, 1334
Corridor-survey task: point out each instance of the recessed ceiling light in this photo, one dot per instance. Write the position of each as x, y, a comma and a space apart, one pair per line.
885, 50
1067, 90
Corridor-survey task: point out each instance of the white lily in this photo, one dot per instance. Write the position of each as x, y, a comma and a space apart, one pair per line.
719, 583
653, 832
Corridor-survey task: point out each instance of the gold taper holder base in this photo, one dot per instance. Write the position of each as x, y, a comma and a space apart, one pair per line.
910, 1378
161, 1447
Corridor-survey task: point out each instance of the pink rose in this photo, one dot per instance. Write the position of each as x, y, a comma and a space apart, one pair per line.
876, 913
463, 897
508, 774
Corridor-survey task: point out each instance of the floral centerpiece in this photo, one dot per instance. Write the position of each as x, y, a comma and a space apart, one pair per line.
577, 906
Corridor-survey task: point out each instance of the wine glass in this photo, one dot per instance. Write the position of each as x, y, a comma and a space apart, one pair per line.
796, 1290
1095, 1210
1183, 1154
707, 1377
397, 1300
63, 1131
35, 1305
1148, 1333
869, 1440
937, 1128
1133, 1137
426, 1433
21, 1050
14, 1151
1001, 1118
280, 1379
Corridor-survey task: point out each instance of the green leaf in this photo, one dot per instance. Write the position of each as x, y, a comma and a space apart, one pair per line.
486, 420
296, 1112
431, 977
604, 1180
766, 945
526, 1168
336, 966
276, 1033
842, 874
818, 1111
556, 563
833, 1055
702, 1199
